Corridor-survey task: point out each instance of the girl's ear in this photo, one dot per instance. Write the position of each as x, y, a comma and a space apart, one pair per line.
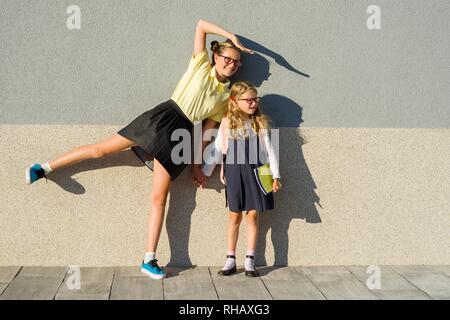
216, 58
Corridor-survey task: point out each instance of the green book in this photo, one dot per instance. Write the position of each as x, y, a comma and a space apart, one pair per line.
264, 178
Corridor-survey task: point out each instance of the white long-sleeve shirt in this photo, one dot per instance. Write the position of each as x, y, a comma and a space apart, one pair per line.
220, 147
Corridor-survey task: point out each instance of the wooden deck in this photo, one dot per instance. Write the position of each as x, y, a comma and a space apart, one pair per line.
203, 283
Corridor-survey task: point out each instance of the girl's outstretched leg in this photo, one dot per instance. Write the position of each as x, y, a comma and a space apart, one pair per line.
160, 190
111, 145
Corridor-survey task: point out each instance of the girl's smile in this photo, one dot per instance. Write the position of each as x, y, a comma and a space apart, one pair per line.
227, 63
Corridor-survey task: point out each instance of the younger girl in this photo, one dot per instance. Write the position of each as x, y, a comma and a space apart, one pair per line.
241, 140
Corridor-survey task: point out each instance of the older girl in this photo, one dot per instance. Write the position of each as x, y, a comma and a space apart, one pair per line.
199, 95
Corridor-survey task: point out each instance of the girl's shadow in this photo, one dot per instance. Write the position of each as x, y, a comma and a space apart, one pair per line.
297, 198
64, 177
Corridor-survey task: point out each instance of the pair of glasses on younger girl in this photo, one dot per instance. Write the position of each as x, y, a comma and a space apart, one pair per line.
248, 100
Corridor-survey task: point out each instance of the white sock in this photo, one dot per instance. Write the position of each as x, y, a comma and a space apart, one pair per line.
231, 262
149, 256
46, 167
249, 262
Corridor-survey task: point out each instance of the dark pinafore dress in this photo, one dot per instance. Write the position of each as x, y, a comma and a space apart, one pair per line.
242, 191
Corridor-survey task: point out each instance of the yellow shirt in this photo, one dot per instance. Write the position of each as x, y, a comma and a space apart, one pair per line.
199, 94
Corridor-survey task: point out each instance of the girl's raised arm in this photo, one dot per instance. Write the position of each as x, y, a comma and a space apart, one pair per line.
205, 27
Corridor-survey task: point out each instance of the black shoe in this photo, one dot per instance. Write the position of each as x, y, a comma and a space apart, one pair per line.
229, 271
251, 273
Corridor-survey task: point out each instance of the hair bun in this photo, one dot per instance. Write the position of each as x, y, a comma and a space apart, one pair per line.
214, 45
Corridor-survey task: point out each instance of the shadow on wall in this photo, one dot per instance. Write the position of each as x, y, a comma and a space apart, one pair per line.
256, 68
63, 178
296, 199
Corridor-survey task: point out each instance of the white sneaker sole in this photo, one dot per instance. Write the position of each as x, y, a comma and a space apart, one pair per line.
27, 174
151, 275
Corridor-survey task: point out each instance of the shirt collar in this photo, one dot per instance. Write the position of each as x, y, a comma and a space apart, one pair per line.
213, 74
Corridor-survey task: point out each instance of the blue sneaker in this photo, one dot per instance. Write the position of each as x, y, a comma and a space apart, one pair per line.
153, 270
34, 173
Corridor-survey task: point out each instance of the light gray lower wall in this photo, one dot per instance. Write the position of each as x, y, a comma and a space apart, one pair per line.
350, 196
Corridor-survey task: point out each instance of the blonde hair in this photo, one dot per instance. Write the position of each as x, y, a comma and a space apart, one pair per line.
219, 48
236, 117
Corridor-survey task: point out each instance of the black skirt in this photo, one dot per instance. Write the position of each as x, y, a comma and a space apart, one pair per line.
151, 132
242, 191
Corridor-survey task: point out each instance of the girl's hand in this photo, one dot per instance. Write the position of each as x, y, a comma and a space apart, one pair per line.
205, 27
276, 185
198, 177
238, 44
222, 176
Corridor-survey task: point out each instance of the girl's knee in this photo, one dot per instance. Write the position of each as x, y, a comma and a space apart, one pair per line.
252, 217
159, 198
95, 151
235, 218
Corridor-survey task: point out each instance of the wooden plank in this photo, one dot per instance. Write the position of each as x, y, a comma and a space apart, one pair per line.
187, 273
7, 274
392, 285
95, 284
337, 283
282, 273
402, 295
436, 285
188, 283
289, 283
239, 287
43, 272
131, 284
35, 283
389, 279
293, 290
421, 269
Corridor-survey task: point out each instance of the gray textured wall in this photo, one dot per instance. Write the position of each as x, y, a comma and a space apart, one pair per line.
319, 64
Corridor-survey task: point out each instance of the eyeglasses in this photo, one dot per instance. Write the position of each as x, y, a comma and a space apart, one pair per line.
251, 100
229, 60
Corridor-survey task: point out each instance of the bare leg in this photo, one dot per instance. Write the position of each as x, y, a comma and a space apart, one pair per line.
160, 190
111, 145
234, 222
253, 228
